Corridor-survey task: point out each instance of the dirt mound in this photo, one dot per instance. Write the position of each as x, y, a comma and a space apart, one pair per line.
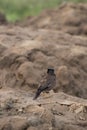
25, 55
22, 62
70, 18
57, 111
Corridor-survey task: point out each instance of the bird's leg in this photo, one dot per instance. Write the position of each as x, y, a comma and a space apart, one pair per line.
45, 94
48, 94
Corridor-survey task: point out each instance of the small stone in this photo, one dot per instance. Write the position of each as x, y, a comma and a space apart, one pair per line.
7, 127
20, 110
82, 118
50, 128
9, 104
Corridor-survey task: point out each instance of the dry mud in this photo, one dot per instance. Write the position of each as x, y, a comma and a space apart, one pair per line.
69, 17
26, 51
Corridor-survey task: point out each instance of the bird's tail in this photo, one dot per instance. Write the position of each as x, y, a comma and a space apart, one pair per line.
37, 94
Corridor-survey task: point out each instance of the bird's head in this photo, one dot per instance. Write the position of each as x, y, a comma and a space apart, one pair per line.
50, 71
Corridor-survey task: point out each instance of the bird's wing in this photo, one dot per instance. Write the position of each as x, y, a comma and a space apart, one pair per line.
51, 82
47, 83
43, 80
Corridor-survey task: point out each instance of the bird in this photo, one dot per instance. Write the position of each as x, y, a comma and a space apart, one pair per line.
47, 83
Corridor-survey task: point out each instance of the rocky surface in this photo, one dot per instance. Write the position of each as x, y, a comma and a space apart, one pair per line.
25, 54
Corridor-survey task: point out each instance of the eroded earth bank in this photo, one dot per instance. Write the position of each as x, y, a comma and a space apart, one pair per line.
27, 49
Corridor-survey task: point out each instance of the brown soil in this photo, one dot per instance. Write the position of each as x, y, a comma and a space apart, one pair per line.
25, 54
70, 18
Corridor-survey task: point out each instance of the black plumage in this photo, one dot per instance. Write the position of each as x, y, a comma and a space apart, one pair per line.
48, 82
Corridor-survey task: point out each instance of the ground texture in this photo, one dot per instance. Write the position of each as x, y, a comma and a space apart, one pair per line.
56, 38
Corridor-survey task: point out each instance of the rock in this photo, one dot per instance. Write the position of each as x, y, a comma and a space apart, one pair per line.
63, 76
35, 121
7, 127
40, 116
9, 104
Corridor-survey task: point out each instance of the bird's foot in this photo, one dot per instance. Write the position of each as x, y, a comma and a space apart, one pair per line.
48, 94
